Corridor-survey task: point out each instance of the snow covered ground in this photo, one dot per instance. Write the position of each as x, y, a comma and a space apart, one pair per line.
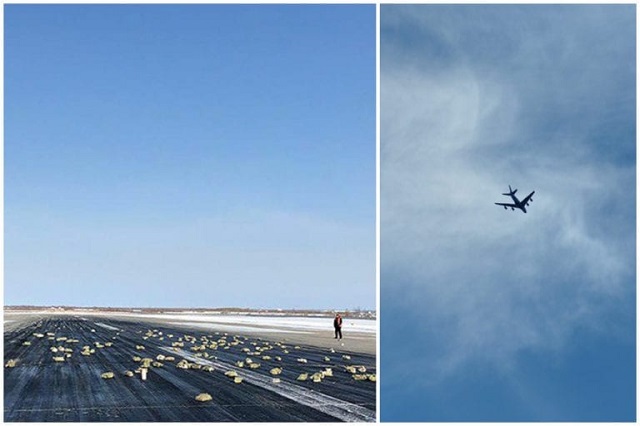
236, 323
280, 324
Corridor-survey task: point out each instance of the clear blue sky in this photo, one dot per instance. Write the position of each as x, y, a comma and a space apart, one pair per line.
208, 155
494, 315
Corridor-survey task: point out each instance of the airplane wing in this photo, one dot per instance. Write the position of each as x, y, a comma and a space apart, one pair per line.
506, 205
526, 200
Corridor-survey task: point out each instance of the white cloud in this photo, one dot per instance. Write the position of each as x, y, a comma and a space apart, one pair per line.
497, 282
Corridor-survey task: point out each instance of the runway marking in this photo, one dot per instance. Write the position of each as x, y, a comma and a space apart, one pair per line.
334, 407
108, 327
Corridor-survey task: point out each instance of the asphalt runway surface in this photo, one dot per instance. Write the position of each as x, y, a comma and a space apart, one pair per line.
40, 389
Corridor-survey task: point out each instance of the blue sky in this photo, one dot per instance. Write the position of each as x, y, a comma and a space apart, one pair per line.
203, 155
496, 315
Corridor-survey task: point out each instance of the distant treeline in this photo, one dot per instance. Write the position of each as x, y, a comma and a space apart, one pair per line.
353, 313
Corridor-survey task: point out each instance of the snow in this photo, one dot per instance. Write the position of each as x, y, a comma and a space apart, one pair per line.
281, 324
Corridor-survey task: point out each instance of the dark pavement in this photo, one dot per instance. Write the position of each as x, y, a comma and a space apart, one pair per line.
39, 389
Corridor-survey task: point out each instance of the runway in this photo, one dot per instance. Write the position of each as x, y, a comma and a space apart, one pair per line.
40, 388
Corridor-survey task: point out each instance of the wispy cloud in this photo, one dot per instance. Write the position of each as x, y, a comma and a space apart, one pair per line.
458, 125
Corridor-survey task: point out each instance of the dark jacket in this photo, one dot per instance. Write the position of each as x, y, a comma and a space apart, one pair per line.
337, 322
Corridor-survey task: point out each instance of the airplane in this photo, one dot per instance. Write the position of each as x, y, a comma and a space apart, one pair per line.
517, 203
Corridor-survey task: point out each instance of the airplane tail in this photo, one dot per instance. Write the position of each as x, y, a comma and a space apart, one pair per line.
511, 191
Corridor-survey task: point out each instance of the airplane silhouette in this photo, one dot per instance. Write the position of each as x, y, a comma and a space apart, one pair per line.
517, 204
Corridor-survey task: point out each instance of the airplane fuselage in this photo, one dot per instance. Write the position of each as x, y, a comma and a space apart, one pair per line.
517, 204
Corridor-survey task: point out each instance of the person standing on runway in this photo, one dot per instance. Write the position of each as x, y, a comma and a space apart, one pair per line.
337, 325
